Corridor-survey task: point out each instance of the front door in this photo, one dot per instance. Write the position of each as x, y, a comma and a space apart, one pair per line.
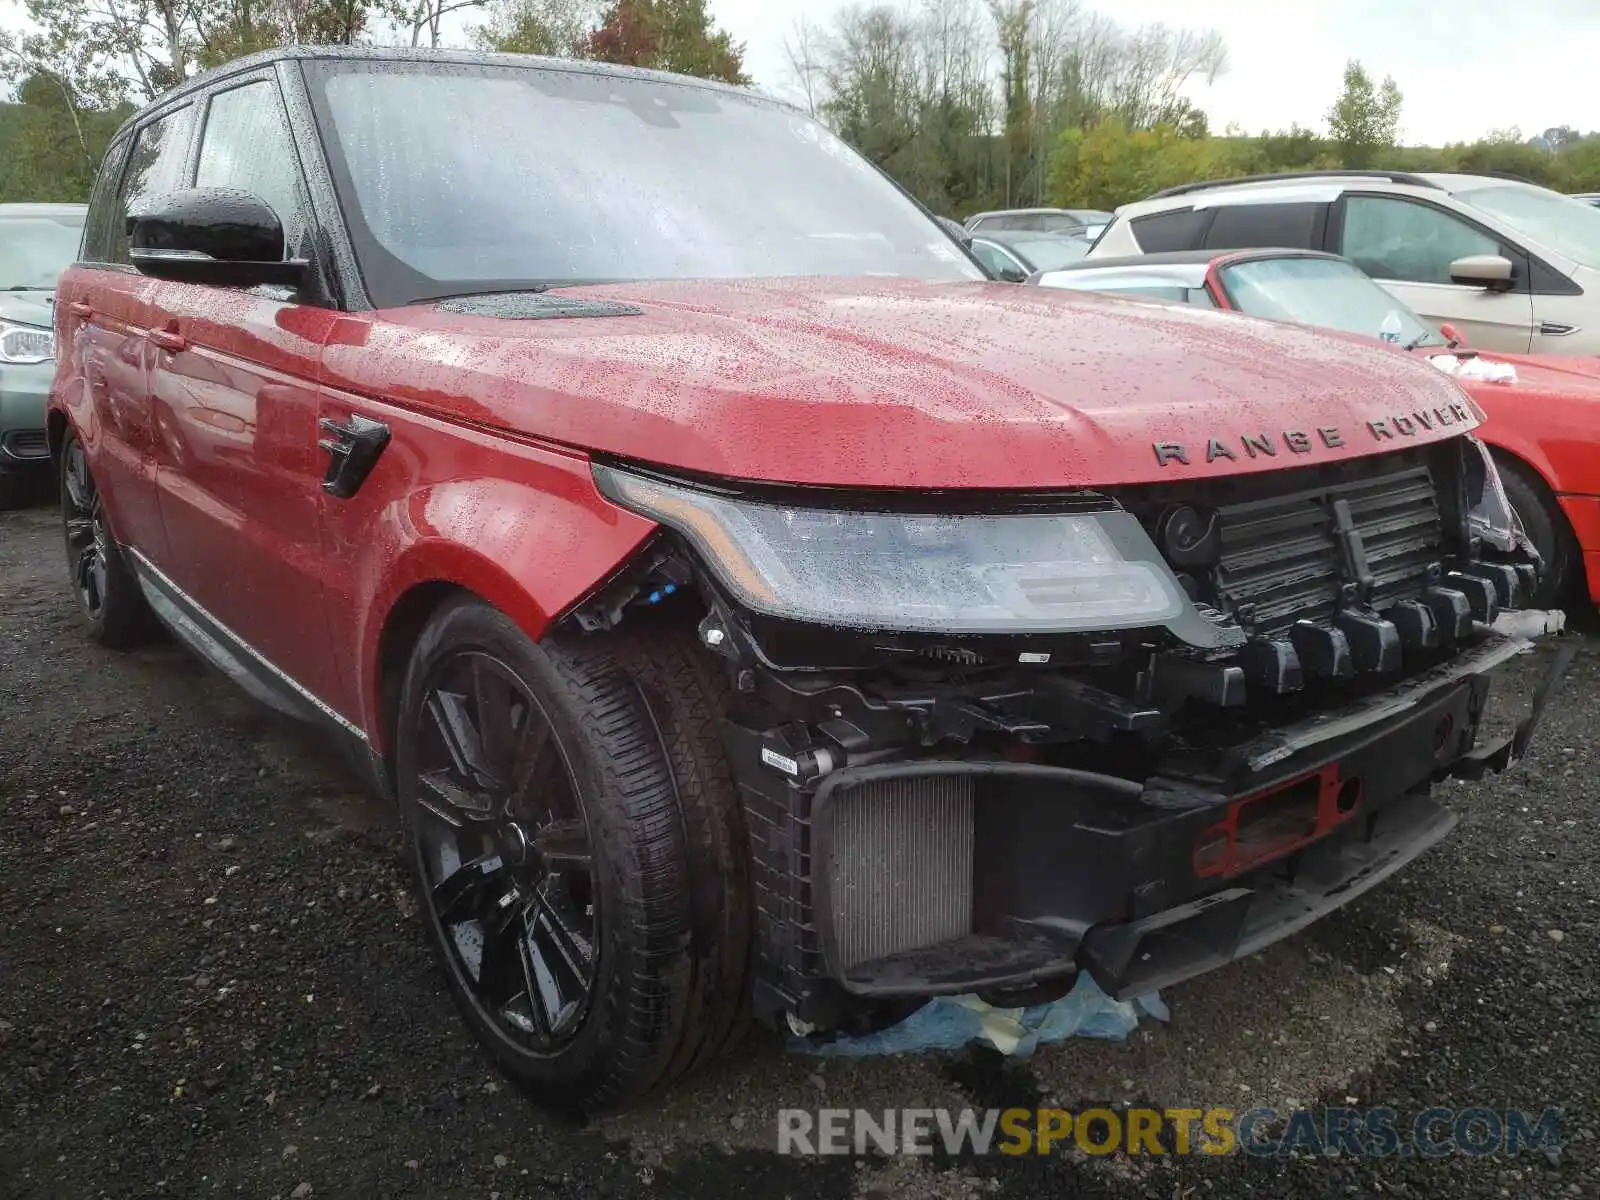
234, 388
1408, 247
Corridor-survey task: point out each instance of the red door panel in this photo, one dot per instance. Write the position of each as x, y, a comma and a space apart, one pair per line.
238, 468
108, 351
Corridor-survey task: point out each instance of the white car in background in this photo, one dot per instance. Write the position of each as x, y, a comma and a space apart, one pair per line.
1514, 266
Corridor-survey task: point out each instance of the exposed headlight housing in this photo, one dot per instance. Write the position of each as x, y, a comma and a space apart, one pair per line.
26, 343
1489, 512
870, 568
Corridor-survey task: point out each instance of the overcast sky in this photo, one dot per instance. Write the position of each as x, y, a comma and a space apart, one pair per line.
1465, 66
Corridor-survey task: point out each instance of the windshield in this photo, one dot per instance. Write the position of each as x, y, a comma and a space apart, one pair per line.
1050, 253
1056, 223
470, 178
1326, 292
35, 250
1565, 225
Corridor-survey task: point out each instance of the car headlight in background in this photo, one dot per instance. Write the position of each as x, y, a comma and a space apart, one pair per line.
1057, 572
26, 343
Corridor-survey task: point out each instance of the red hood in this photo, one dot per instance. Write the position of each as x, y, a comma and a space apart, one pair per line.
897, 383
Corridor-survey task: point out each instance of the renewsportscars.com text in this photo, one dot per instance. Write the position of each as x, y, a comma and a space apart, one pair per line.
1264, 1132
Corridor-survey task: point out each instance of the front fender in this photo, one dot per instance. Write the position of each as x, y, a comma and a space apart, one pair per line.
527, 531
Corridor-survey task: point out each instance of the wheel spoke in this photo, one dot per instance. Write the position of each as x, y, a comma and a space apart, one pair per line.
531, 1015
459, 896
562, 952
566, 842
492, 700
79, 488
441, 793
98, 574
534, 756
450, 717
83, 570
500, 971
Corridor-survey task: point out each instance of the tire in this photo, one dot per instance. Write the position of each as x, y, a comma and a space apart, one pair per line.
1547, 528
575, 838
108, 595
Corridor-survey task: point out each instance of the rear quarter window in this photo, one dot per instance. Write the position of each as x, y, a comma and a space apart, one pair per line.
1180, 229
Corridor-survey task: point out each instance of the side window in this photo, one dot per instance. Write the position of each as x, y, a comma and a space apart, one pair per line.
155, 166
995, 260
247, 145
1246, 226
1180, 229
1396, 239
101, 226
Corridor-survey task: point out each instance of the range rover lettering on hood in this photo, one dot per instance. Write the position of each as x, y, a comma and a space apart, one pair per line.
1300, 441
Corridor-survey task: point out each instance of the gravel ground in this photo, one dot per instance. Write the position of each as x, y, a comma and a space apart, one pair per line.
213, 981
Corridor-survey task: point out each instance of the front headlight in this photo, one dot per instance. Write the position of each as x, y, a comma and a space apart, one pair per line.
1056, 572
26, 343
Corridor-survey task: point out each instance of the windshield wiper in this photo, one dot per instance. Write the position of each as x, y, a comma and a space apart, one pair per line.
1418, 340
23, 287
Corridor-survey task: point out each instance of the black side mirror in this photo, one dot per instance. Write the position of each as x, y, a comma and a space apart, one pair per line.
1012, 275
211, 235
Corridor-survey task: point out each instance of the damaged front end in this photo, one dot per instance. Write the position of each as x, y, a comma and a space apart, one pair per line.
986, 740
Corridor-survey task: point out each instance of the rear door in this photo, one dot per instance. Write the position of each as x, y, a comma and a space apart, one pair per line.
234, 382
1408, 245
106, 314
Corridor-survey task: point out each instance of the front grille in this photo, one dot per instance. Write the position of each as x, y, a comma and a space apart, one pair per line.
1290, 542
900, 866
27, 443
1283, 557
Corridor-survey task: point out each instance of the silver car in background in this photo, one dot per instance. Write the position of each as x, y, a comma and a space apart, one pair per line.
37, 243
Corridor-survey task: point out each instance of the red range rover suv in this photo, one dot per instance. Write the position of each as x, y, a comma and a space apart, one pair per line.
754, 611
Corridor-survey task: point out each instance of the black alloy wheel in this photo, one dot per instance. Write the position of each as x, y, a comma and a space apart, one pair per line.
88, 538
503, 845
107, 592
577, 841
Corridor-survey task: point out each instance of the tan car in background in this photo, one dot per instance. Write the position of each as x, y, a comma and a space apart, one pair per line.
1511, 266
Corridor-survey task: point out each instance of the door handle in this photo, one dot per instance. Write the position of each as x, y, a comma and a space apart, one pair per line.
354, 448
167, 340
80, 309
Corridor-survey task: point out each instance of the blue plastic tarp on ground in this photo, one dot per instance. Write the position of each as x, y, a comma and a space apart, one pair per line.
952, 1022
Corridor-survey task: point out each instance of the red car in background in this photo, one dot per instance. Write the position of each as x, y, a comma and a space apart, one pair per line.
1543, 411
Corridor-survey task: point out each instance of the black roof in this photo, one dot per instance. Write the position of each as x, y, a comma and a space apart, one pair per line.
426, 54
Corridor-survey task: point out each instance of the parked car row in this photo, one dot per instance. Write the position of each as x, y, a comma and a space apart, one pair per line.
755, 610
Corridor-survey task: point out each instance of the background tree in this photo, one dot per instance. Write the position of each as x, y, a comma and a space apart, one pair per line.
1364, 121
553, 27
423, 20
240, 27
1013, 20
670, 35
